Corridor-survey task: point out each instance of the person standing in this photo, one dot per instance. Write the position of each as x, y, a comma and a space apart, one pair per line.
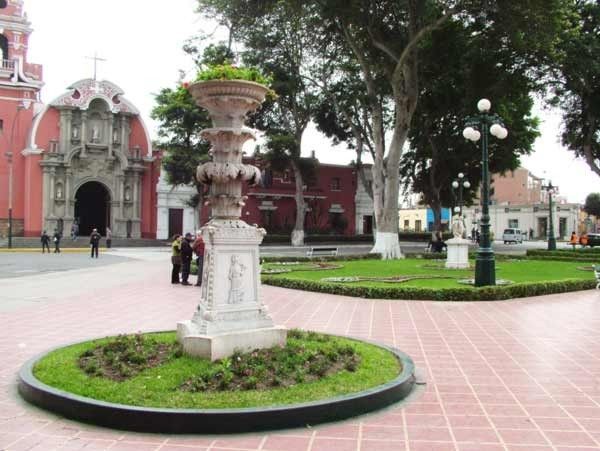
176, 258
198, 248
186, 258
56, 238
45, 242
108, 237
95, 242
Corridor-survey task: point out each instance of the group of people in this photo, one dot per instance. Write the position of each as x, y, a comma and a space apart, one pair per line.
95, 238
581, 240
183, 250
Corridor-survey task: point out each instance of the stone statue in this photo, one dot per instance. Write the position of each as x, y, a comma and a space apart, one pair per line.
95, 134
75, 132
236, 274
458, 226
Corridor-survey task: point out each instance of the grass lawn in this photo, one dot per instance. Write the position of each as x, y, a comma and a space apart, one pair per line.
161, 386
517, 271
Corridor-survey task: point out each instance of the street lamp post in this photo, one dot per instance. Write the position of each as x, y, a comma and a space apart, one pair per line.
478, 127
550, 189
23, 105
458, 185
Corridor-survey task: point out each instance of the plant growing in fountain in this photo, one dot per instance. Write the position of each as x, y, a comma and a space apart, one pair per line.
230, 315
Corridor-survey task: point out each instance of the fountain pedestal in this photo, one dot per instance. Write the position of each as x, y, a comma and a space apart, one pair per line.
230, 315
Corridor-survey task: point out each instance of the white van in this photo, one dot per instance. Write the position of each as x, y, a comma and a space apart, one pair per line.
512, 236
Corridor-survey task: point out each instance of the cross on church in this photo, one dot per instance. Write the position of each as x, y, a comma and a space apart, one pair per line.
96, 59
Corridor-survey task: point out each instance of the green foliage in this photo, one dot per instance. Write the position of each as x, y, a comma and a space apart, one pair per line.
126, 355
576, 86
307, 356
530, 277
160, 386
459, 65
592, 204
229, 72
446, 294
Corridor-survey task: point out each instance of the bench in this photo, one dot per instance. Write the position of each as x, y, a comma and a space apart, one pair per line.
321, 251
597, 274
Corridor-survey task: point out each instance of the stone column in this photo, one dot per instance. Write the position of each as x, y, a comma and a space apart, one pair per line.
68, 195
52, 177
110, 136
66, 120
125, 135
83, 132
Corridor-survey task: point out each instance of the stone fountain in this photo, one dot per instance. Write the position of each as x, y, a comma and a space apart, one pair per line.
230, 315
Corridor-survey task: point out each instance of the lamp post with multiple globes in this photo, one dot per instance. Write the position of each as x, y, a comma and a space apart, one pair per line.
458, 186
478, 128
550, 189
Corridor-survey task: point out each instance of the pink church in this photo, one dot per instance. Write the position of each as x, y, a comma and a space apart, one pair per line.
85, 157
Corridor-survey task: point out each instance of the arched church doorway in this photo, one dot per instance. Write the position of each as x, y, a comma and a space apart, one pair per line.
92, 208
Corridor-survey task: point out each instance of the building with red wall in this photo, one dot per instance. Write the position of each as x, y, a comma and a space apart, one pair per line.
336, 202
85, 157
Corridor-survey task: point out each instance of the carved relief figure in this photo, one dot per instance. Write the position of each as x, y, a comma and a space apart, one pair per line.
75, 132
236, 273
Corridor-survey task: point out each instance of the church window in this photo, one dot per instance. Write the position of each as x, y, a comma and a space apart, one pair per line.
1, 125
76, 94
4, 46
2, 4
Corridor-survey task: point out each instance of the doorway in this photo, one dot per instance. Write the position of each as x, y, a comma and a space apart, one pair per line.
175, 222
92, 208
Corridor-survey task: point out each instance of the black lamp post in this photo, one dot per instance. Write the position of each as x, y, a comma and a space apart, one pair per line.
550, 189
458, 185
478, 127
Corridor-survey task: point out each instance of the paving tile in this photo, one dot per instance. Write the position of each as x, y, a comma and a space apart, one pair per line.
487, 365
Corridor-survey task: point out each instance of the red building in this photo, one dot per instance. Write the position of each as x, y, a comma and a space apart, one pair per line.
330, 198
84, 158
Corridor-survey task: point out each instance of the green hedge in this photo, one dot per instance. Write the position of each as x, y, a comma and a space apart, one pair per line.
320, 259
565, 255
443, 294
324, 238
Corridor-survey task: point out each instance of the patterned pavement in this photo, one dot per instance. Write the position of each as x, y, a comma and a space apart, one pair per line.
513, 375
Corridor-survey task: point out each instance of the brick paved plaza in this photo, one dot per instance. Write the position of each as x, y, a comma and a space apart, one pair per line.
515, 375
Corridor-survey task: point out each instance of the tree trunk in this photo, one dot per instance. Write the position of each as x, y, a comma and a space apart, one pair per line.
298, 232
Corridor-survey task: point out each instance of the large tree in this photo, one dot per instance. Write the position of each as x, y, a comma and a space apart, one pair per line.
592, 204
385, 38
577, 86
458, 67
180, 121
276, 38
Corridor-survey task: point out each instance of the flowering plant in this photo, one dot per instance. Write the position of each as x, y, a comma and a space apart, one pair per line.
230, 72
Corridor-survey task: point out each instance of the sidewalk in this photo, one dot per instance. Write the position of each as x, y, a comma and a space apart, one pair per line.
514, 375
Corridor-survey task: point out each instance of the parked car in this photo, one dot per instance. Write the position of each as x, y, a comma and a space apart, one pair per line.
593, 239
512, 236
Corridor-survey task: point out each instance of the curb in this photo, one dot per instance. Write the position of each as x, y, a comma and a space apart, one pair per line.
214, 421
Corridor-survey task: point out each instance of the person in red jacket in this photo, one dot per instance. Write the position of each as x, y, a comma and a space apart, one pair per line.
198, 247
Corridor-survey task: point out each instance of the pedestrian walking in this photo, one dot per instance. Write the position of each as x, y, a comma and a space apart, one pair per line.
108, 238
56, 239
95, 242
175, 258
45, 242
186, 258
574, 240
198, 248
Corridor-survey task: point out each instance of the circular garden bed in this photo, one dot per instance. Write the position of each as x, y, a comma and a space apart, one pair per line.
144, 382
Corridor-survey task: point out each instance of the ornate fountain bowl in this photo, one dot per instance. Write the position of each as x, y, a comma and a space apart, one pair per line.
228, 101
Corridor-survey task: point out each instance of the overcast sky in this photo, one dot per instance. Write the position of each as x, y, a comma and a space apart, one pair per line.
142, 40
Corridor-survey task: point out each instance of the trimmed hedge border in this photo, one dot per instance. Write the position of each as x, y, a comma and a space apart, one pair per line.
334, 238
495, 293
565, 255
321, 259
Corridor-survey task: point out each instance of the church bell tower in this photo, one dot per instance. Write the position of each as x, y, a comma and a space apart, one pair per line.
20, 85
